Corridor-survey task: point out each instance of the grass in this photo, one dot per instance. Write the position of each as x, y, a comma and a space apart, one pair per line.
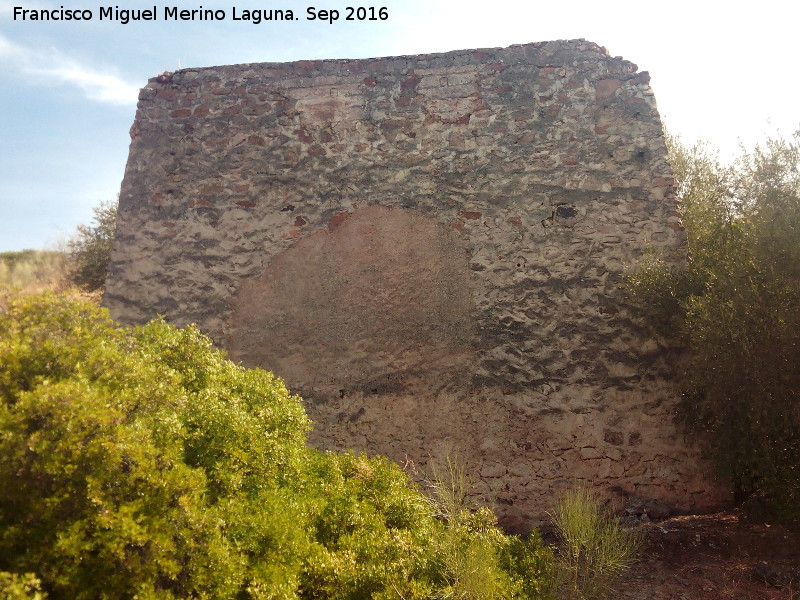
470, 544
32, 271
595, 547
35, 271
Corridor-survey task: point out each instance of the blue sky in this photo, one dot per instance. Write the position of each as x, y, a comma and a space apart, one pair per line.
720, 71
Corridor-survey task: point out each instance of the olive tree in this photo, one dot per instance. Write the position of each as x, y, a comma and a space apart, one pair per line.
737, 306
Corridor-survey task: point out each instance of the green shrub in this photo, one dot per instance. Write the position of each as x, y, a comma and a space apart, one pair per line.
476, 560
142, 463
20, 587
531, 565
139, 463
737, 307
661, 290
90, 248
595, 547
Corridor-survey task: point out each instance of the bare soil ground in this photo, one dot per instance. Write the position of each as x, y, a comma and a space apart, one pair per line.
711, 557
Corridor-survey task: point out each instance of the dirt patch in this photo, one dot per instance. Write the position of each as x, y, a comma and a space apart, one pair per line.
712, 557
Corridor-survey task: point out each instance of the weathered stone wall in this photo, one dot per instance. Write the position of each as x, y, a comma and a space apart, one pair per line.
429, 249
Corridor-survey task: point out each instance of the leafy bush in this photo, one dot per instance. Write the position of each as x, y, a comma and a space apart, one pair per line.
531, 565
595, 547
475, 558
737, 305
141, 463
90, 249
20, 587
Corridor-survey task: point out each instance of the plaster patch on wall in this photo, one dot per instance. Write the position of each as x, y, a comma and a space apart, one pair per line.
379, 302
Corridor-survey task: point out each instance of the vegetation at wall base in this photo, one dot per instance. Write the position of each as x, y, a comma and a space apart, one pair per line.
140, 463
476, 559
737, 306
595, 548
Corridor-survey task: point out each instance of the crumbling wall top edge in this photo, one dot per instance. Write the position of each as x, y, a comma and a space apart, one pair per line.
546, 53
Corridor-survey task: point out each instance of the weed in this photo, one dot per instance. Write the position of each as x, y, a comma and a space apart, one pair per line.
595, 547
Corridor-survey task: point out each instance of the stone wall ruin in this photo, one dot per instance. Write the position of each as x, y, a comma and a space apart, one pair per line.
429, 250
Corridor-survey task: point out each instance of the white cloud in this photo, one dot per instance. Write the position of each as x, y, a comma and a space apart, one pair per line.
7, 49
46, 67
96, 86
